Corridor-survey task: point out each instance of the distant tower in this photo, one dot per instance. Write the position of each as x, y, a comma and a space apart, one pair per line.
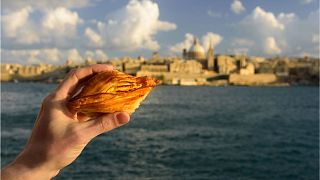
210, 58
184, 53
155, 56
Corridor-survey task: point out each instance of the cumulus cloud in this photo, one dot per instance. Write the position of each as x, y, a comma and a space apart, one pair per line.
186, 43
75, 56
97, 54
55, 27
94, 38
263, 19
271, 47
266, 33
61, 23
53, 24
18, 27
47, 55
207, 39
134, 26
50, 55
263, 28
211, 38
237, 7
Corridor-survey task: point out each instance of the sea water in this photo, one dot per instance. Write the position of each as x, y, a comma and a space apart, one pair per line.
188, 133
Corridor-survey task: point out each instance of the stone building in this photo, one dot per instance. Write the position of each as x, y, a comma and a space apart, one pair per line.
131, 67
117, 64
197, 52
248, 69
155, 68
189, 67
186, 72
225, 64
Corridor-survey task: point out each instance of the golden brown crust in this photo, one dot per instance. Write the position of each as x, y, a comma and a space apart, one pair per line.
111, 91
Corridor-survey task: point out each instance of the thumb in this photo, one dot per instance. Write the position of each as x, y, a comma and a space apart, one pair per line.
105, 123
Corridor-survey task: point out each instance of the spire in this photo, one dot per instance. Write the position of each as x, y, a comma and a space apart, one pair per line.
195, 41
210, 46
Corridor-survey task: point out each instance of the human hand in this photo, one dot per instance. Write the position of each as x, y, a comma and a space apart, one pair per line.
59, 135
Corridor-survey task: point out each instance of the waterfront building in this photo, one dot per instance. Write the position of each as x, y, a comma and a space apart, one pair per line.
131, 67
226, 65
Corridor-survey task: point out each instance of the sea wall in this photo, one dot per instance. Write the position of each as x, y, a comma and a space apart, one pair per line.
253, 79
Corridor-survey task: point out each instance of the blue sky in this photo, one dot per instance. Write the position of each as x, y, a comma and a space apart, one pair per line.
52, 31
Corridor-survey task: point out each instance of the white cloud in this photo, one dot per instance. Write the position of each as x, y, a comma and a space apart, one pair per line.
100, 55
237, 7
18, 27
278, 34
97, 55
263, 19
54, 27
187, 43
134, 26
74, 55
50, 28
61, 22
208, 38
271, 47
49, 55
52, 55
211, 38
14, 21
266, 30
94, 38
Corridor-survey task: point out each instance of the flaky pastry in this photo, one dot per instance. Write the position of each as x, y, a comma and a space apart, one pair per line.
111, 91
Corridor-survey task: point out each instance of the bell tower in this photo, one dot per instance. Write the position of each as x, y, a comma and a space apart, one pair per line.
210, 58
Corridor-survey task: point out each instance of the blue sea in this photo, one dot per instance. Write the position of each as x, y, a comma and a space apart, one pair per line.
188, 133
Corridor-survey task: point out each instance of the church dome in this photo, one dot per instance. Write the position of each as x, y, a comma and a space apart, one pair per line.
196, 51
196, 47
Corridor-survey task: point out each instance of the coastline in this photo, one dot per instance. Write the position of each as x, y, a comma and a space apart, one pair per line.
176, 85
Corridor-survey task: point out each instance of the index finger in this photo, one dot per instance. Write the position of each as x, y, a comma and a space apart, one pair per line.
73, 78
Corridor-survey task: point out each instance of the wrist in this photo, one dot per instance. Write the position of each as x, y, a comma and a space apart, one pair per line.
25, 168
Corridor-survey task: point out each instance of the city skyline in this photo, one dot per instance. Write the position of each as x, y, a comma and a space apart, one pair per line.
51, 32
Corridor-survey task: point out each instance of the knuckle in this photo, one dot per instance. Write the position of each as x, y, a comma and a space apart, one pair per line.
73, 72
48, 100
104, 124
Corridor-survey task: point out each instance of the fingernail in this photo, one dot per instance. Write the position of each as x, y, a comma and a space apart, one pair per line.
122, 118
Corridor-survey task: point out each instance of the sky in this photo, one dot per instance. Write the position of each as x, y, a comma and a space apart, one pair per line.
52, 31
